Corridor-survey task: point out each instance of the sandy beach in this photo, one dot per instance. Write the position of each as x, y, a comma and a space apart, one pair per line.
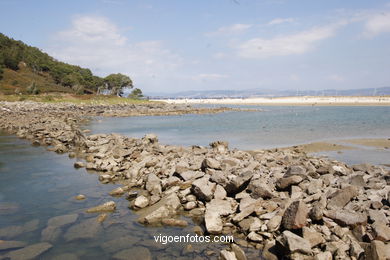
305, 101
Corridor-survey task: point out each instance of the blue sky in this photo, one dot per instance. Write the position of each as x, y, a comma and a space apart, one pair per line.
169, 46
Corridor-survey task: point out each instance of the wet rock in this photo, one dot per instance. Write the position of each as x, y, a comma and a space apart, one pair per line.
203, 189
117, 192
346, 217
78, 165
101, 218
341, 197
87, 229
14, 231
62, 220
50, 234
141, 202
80, 197
7, 245
7, 208
118, 244
106, 207
295, 243
66, 256
174, 222
138, 252
382, 231
29, 252
295, 215
166, 207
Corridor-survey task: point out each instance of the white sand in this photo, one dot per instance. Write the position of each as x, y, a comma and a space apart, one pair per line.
306, 100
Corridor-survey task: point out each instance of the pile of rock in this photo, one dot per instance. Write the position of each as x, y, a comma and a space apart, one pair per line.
282, 201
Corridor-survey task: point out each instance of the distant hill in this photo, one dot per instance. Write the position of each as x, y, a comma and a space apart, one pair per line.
383, 91
27, 70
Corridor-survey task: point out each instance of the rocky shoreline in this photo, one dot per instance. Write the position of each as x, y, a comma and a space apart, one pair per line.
283, 202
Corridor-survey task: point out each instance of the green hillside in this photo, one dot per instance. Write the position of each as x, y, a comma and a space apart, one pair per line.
28, 70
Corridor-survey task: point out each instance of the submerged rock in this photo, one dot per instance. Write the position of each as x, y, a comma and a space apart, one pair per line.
138, 252
29, 252
107, 206
87, 229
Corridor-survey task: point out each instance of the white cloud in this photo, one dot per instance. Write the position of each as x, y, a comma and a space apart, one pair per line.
97, 43
280, 21
233, 29
377, 24
297, 43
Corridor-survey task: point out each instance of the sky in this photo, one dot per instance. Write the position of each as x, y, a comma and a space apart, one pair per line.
181, 45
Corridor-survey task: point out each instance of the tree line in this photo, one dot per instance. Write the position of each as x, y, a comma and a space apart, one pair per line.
81, 80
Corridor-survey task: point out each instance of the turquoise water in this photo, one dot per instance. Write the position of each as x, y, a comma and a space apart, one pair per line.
273, 127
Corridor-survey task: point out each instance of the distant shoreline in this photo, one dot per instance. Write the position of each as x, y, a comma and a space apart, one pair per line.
287, 101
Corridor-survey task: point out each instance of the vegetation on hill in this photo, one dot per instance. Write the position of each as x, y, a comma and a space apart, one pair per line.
28, 70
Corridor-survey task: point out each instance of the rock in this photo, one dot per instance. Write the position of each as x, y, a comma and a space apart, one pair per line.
346, 217
222, 207
213, 222
182, 167
29, 252
341, 197
227, 255
107, 206
219, 192
118, 244
138, 252
377, 216
203, 189
270, 251
295, 243
285, 182
7, 245
87, 229
295, 216
151, 138
247, 209
80, 197
253, 236
240, 254
50, 233
117, 192
259, 189
317, 211
296, 170
141, 202
190, 175
211, 163
66, 256
323, 256
315, 238
379, 251
238, 183
60, 221
382, 231
102, 217
220, 147
174, 222
78, 165
7, 208
357, 180
153, 184
274, 223
13, 231
190, 205
166, 207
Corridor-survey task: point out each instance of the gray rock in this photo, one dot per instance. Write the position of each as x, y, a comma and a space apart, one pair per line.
87, 229
346, 217
190, 175
377, 216
166, 207
274, 223
50, 234
118, 244
285, 182
203, 189
153, 184
6, 245
66, 256
240, 254
211, 163
105, 207
29, 252
135, 253
341, 197
296, 170
382, 231
295, 243
60, 221
238, 183
259, 189
295, 216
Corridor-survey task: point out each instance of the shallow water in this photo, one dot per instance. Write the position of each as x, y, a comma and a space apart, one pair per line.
36, 185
